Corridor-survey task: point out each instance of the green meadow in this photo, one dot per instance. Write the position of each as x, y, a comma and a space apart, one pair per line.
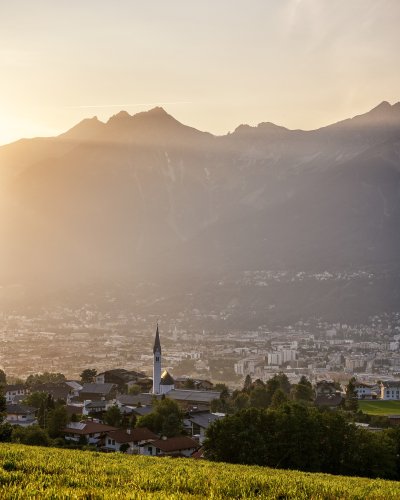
380, 407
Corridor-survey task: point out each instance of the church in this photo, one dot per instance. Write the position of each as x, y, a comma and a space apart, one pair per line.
162, 383
165, 384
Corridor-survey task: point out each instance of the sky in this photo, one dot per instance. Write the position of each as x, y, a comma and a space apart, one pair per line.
212, 64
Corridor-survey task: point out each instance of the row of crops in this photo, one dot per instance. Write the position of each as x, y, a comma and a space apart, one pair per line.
33, 472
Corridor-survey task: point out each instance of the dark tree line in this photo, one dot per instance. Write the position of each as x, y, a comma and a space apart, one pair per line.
297, 436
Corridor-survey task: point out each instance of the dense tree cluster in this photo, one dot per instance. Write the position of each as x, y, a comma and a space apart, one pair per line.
166, 418
276, 391
297, 436
44, 378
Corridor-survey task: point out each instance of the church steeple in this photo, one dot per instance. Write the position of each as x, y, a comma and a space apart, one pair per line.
157, 363
157, 344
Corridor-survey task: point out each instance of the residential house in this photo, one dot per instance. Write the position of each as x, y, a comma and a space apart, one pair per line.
96, 392
390, 390
94, 408
18, 414
141, 411
199, 422
75, 388
74, 410
327, 395
122, 378
16, 392
198, 384
366, 391
58, 391
134, 438
180, 446
203, 385
192, 398
92, 432
142, 399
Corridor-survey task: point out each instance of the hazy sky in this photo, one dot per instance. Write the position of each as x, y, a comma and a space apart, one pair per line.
213, 64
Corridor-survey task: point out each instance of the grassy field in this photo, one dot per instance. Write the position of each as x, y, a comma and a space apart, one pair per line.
380, 407
33, 472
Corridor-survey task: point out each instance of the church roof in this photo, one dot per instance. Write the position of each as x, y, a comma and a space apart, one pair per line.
157, 344
166, 379
193, 396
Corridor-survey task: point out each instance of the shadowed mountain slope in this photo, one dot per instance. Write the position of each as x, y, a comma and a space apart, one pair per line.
144, 195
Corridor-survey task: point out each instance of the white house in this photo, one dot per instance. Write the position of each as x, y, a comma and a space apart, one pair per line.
22, 415
15, 392
175, 446
367, 391
91, 431
390, 390
134, 438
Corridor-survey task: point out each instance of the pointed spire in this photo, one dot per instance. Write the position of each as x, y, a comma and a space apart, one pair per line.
157, 344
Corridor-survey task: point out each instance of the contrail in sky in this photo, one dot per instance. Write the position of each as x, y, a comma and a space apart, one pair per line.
128, 105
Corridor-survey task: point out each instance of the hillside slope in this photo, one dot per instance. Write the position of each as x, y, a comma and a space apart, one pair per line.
33, 472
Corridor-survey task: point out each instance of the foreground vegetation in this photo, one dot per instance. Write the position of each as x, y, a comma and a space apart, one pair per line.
34, 472
300, 437
380, 407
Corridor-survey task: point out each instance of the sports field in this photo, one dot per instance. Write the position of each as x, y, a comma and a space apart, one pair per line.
380, 407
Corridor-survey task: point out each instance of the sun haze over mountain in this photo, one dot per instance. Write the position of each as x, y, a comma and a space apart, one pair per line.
297, 63
118, 200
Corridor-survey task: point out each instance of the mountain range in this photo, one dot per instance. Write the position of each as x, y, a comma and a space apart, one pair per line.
146, 198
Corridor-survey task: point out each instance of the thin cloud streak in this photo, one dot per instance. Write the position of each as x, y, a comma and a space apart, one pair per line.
85, 106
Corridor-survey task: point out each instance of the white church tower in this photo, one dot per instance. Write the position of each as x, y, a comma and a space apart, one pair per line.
156, 363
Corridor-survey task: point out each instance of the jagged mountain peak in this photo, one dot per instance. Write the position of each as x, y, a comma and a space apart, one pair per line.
157, 111
382, 115
84, 130
120, 116
264, 126
384, 110
155, 117
384, 105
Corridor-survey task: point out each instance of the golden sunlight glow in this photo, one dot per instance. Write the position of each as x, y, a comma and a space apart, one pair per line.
297, 63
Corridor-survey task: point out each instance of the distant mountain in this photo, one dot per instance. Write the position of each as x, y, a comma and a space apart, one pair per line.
146, 197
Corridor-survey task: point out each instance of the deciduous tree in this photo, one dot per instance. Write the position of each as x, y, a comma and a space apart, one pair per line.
87, 376
166, 418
